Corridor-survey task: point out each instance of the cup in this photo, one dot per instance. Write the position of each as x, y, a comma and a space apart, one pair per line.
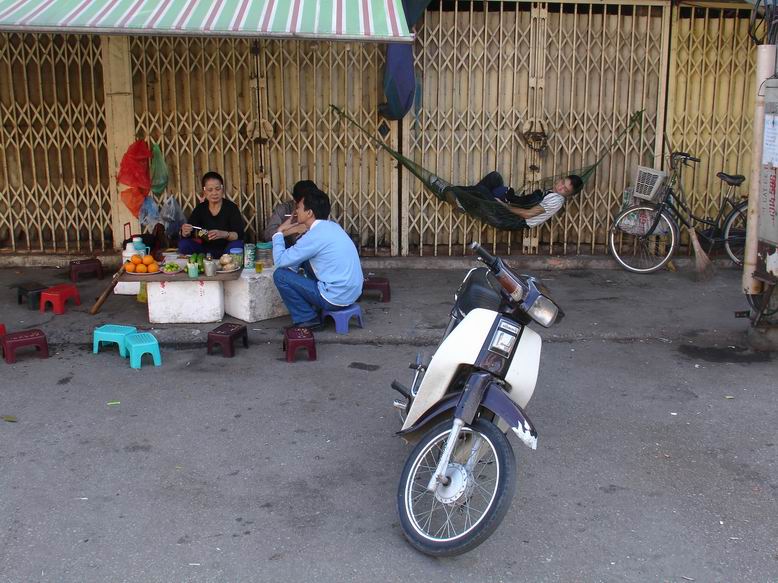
259, 266
193, 270
210, 268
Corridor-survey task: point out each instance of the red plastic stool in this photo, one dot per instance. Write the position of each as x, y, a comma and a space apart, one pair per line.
296, 338
380, 284
91, 265
57, 295
10, 342
225, 336
2, 329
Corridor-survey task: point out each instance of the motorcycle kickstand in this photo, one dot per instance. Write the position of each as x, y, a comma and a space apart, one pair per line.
439, 477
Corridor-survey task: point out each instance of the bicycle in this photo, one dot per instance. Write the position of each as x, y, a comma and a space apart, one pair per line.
645, 236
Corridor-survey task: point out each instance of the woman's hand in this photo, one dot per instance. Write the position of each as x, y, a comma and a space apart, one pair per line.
186, 229
216, 234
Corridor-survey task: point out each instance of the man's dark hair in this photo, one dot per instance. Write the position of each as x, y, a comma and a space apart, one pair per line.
211, 176
577, 183
300, 188
318, 202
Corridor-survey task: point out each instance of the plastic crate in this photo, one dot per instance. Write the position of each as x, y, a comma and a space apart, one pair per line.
649, 183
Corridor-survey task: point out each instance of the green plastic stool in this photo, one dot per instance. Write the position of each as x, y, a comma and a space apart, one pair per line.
142, 343
112, 333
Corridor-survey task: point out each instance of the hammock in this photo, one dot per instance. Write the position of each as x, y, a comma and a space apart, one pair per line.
471, 201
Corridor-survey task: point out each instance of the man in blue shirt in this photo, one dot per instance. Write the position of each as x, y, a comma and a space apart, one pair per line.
334, 275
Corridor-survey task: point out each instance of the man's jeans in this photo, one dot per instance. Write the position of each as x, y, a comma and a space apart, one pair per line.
301, 295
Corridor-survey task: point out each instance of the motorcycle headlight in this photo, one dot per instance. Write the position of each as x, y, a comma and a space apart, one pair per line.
543, 311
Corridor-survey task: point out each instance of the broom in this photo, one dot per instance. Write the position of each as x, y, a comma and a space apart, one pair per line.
703, 266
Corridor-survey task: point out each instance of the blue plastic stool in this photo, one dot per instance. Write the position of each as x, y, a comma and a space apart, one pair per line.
343, 317
112, 333
142, 343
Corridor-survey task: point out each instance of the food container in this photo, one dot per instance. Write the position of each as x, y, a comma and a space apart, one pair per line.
210, 267
248, 255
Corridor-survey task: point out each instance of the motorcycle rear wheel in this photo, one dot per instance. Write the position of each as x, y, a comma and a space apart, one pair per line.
462, 515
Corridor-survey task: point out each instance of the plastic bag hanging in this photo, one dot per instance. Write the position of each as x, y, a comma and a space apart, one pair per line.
159, 171
134, 167
149, 213
172, 215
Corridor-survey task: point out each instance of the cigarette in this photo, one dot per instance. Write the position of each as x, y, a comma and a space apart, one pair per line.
287, 215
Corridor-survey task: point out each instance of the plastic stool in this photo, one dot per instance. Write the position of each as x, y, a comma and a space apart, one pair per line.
10, 342
141, 343
225, 336
91, 265
2, 329
342, 317
380, 284
296, 338
57, 295
31, 291
112, 333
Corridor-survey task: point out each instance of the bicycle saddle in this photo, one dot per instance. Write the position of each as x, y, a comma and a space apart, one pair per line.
731, 179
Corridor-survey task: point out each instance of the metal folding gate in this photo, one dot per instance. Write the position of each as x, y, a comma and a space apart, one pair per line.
488, 71
574, 71
54, 184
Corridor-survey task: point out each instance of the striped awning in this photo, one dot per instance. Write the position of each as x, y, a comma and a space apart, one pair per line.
376, 20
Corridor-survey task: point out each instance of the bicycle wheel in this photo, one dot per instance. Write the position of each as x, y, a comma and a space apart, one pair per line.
634, 247
735, 233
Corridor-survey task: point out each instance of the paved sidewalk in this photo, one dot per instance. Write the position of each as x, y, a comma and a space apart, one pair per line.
610, 304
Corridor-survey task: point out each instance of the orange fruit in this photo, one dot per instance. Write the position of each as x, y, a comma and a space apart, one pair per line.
141, 268
129, 267
153, 267
136, 259
148, 259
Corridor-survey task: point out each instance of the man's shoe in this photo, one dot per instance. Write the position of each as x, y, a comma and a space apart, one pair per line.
313, 324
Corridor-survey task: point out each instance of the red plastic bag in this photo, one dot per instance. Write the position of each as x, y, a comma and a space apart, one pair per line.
134, 168
133, 198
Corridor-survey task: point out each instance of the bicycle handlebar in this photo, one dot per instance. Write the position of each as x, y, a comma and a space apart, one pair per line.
684, 156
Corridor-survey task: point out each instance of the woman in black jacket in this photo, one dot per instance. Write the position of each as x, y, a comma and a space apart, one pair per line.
219, 217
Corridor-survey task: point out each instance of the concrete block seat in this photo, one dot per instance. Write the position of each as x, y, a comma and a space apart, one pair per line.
112, 333
141, 343
12, 341
225, 337
343, 317
379, 284
86, 266
31, 292
296, 338
57, 295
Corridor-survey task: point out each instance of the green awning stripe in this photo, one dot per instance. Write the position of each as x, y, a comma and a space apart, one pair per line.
381, 20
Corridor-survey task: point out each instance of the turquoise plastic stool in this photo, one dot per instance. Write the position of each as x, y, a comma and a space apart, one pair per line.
112, 333
142, 343
342, 317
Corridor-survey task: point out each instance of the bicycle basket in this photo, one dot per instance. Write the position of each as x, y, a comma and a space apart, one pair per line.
649, 183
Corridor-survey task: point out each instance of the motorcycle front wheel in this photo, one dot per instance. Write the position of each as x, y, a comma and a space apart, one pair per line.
463, 513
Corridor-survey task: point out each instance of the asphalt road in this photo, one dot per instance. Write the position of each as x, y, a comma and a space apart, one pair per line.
656, 458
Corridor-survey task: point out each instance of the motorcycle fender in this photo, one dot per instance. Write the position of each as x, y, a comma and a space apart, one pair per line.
492, 398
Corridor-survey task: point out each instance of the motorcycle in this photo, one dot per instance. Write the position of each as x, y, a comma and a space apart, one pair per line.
458, 482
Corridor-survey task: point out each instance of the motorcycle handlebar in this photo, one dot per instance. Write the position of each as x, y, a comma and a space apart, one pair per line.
509, 283
487, 257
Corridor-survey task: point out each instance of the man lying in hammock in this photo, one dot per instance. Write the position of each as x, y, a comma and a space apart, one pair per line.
535, 208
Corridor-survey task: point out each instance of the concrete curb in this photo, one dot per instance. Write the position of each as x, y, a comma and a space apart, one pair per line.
523, 262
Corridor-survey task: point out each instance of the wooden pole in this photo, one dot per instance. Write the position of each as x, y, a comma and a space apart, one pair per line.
765, 68
120, 124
